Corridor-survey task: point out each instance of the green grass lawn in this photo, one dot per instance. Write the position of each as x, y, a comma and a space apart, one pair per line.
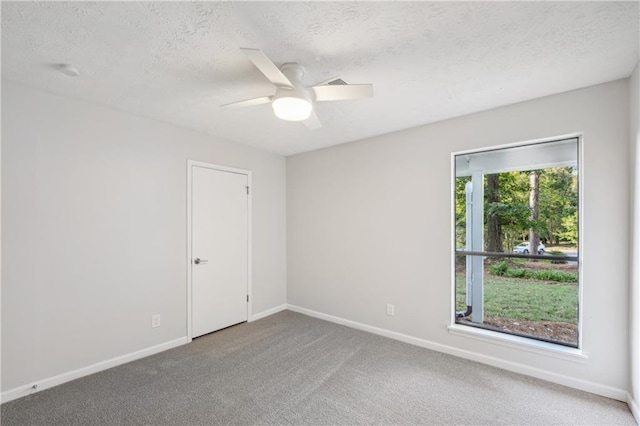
529, 300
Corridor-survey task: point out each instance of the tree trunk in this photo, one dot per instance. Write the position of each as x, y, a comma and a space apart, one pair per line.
494, 224
534, 197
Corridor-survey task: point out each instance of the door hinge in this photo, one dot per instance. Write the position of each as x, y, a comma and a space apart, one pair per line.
247, 190
247, 298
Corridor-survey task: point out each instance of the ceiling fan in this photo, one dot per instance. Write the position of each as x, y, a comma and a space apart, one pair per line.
292, 101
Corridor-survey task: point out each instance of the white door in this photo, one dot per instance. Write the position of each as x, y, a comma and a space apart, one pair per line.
219, 249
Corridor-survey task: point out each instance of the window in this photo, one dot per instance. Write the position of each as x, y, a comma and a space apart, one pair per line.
516, 235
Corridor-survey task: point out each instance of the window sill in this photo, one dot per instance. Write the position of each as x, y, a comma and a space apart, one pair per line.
521, 343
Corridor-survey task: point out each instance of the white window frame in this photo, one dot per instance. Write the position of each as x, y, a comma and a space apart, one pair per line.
528, 344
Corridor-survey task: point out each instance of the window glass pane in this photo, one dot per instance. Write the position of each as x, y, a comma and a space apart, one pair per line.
519, 201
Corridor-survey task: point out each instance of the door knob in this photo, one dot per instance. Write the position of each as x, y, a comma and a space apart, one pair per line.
198, 261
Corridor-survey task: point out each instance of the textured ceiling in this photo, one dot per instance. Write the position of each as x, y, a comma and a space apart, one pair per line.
428, 61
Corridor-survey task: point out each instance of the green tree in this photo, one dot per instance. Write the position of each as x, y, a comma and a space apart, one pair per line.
512, 208
508, 214
494, 218
558, 200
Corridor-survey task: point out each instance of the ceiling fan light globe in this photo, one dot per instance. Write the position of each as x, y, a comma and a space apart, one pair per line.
292, 108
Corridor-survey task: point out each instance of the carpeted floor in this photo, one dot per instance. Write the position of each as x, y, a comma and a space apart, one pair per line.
293, 369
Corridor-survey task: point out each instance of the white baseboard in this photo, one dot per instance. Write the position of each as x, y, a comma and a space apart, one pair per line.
585, 385
50, 382
268, 312
633, 406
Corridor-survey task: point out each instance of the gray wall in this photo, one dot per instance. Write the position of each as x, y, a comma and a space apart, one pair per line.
369, 223
94, 231
634, 260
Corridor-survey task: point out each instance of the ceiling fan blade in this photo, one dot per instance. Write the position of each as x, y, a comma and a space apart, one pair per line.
248, 102
342, 92
268, 68
312, 122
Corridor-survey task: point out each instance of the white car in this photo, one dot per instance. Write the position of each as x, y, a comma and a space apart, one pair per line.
523, 248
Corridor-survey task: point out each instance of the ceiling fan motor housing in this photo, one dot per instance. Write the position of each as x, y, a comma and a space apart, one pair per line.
292, 103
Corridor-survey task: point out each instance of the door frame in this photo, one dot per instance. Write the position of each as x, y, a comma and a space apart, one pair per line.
190, 165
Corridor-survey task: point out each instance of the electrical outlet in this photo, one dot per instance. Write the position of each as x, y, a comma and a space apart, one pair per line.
155, 321
391, 310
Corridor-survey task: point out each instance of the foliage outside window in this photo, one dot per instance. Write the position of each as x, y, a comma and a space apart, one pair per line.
516, 235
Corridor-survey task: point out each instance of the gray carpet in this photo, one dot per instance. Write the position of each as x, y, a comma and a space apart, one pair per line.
293, 369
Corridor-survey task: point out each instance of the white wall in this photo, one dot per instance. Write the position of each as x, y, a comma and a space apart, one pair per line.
94, 231
634, 289
369, 223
